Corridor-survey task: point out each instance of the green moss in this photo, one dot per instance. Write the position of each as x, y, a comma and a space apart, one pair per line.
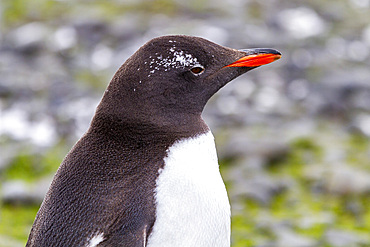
351, 212
358, 153
30, 167
16, 222
303, 151
92, 80
19, 12
24, 166
306, 150
14, 11
304, 206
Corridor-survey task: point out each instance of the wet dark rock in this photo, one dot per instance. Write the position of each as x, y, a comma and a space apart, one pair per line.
5, 91
91, 32
29, 38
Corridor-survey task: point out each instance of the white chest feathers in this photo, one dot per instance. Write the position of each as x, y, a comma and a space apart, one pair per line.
192, 204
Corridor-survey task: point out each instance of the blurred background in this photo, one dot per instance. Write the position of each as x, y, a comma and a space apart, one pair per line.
292, 137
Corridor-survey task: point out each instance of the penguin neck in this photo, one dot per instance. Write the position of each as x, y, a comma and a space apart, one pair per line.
148, 128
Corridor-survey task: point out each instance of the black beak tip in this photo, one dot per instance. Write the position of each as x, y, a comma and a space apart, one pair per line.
261, 51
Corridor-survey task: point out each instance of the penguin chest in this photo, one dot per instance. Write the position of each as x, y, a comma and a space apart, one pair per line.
192, 207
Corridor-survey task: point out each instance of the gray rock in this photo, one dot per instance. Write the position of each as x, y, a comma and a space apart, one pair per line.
307, 22
362, 124
240, 145
339, 178
320, 218
7, 154
288, 238
254, 185
19, 192
29, 37
64, 38
91, 32
6, 241
339, 238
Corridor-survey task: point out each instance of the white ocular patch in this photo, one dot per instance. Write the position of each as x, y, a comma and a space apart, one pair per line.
192, 207
176, 59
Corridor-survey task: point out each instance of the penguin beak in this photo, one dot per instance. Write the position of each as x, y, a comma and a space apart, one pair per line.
256, 57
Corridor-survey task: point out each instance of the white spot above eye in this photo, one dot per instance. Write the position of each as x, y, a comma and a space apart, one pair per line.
176, 59
95, 240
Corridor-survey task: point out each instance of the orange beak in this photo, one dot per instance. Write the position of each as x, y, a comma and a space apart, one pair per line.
256, 57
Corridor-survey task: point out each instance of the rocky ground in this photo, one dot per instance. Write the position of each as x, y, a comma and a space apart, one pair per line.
293, 136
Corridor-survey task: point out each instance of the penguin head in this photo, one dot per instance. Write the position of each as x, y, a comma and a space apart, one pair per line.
172, 77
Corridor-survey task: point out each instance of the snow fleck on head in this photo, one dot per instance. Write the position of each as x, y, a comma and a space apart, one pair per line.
174, 59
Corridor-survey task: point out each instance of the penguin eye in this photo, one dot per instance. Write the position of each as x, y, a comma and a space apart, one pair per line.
197, 70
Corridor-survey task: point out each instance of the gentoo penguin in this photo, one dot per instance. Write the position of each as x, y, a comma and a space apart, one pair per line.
146, 173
